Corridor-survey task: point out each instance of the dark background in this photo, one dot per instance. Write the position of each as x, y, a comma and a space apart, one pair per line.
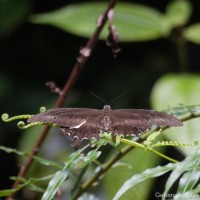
31, 55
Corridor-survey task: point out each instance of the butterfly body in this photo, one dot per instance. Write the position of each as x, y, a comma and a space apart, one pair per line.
106, 122
85, 123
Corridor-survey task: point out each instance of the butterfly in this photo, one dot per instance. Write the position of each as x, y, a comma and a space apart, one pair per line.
86, 123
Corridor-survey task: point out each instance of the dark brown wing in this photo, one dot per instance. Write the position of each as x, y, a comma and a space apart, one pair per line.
123, 126
67, 117
77, 123
84, 123
88, 130
140, 118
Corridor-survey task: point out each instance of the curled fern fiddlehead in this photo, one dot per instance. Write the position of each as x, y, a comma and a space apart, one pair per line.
22, 125
5, 117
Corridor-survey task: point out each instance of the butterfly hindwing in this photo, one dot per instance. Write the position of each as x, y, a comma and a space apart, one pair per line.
88, 130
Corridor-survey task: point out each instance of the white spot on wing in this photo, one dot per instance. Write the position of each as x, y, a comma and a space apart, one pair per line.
68, 133
79, 125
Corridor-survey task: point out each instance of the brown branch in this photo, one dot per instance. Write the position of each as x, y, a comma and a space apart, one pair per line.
81, 60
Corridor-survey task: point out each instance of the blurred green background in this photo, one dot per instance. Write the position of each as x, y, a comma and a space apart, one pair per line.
33, 53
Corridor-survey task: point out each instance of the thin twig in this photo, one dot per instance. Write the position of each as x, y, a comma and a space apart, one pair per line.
81, 60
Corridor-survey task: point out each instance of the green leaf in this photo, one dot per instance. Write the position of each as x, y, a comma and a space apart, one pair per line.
47, 162
179, 89
36, 158
31, 182
60, 176
74, 159
190, 163
36, 188
137, 178
184, 112
133, 22
11, 150
192, 33
176, 89
137, 161
179, 12
188, 181
193, 193
7, 192
55, 183
91, 156
41, 179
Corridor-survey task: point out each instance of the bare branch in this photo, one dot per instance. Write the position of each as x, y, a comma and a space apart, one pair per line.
82, 59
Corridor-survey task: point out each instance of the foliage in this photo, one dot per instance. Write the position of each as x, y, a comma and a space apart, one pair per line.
134, 22
80, 162
189, 167
121, 173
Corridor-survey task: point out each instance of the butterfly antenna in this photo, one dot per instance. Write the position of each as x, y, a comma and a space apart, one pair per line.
117, 97
101, 99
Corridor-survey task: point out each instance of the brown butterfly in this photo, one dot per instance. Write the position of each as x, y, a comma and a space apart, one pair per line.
85, 123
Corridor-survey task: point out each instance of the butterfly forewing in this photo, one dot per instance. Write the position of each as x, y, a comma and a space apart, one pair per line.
146, 118
67, 117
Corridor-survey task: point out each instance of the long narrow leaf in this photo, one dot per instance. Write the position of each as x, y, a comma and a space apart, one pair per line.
137, 178
91, 156
35, 180
194, 191
11, 150
36, 158
189, 163
188, 181
61, 175
7, 192
47, 162
54, 184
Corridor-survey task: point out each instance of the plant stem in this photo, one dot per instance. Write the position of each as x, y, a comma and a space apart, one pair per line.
79, 65
162, 155
135, 144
